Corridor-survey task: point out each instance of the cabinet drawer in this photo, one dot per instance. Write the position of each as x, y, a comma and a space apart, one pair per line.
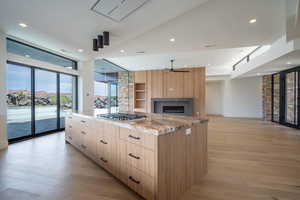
140, 183
137, 137
82, 122
140, 158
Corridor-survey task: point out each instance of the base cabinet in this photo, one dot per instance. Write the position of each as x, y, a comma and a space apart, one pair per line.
156, 167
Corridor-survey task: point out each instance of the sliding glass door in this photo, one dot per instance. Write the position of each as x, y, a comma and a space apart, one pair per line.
45, 101
67, 91
291, 98
19, 103
286, 97
276, 97
38, 100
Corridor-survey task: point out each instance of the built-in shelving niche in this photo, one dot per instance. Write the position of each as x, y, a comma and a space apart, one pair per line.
140, 97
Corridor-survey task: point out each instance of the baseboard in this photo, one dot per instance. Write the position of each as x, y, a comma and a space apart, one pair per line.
254, 118
214, 115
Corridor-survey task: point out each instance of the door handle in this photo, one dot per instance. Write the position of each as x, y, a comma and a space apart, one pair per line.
102, 159
82, 121
103, 142
133, 156
84, 133
133, 180
133, 137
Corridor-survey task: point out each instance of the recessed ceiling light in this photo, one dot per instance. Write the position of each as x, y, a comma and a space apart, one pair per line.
258, 74
289, 63
252, 21
208, 65
80, 50
27, 56
122, 50
23, 25
172, 40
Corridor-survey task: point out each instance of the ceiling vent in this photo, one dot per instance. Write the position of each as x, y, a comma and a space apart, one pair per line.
117, 10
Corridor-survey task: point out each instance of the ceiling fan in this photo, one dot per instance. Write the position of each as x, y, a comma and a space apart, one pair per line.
172, 67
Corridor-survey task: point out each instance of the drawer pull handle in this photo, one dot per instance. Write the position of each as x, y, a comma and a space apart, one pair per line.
136, 157
103, 160
84, 133
133, 137
83, 121
133, 180
103, 142
83, 146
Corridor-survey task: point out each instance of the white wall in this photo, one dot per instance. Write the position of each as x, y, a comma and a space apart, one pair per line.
239, 97
3, 136
86, 87
214, 97
243, 97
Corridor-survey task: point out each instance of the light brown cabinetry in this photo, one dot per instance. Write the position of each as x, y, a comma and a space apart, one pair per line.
188, 83
166, 84
80, 132
140, 91
107, 145
156, 83
173, 83
156, 167
140, 76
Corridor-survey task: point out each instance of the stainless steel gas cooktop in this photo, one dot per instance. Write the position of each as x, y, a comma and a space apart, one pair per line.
121, 116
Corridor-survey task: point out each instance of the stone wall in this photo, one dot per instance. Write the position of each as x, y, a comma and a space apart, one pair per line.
267, 97
125, 91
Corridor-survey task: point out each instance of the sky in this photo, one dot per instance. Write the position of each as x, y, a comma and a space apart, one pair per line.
19, 78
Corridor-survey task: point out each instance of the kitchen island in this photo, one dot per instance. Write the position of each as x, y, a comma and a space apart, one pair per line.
159, 157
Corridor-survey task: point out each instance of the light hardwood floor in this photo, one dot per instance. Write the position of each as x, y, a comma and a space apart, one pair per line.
248, 160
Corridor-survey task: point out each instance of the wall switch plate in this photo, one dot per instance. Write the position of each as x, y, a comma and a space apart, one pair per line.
188, 131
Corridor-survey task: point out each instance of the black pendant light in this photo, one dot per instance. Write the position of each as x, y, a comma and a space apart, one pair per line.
101, 41
95, 44
106, 38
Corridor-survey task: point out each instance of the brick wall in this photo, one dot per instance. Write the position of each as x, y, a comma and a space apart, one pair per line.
267, 97
125, 91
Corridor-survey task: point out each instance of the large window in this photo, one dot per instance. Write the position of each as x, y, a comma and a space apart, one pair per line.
105, 93
19, 101
286, 97
38, 100
25, 50
107, 84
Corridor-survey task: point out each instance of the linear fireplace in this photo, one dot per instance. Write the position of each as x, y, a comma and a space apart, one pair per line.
179, 106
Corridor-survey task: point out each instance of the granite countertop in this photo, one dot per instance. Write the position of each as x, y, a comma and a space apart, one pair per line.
156, 124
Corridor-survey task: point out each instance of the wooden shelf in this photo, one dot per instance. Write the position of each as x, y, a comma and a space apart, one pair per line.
140, 96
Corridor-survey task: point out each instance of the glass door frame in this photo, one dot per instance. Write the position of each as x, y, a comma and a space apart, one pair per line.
33, 106
282, 100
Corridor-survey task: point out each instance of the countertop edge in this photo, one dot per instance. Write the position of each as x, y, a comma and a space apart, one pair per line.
126, 124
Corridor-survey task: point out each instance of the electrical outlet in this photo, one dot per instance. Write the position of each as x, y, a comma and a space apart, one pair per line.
188, 131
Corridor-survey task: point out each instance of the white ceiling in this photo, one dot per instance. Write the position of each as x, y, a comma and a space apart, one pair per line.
217, 61
70, 25
285, 62
223, 23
